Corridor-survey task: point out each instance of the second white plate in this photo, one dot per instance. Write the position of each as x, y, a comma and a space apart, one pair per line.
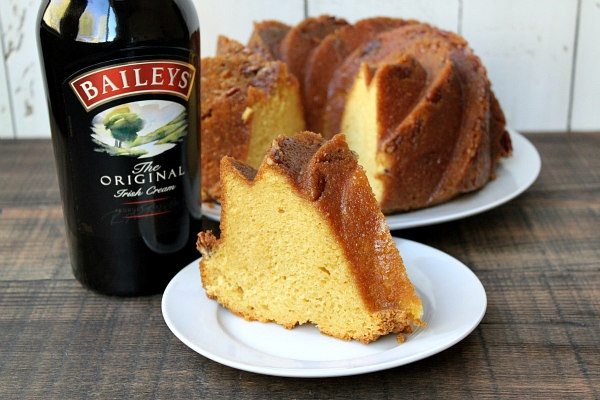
453, 298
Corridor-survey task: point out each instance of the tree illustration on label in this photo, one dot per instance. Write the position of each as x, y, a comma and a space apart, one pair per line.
140, 129
123, 125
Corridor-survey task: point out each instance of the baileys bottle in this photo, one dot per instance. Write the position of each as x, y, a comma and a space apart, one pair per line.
122, 83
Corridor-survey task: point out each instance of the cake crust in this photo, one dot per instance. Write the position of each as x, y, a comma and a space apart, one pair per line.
300, 41
328, 55
266, 38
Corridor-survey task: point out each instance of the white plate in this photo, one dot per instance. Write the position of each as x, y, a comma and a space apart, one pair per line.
453, 298
513, 176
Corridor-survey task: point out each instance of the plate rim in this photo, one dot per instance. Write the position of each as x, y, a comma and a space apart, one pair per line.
532, 175
337, 371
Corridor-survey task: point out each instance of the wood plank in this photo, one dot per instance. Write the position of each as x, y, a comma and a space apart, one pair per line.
33, 244
586, 95
61, 341
442, 13
527, 48
23, 67
32, 232
27, 174
234, 18
537, 256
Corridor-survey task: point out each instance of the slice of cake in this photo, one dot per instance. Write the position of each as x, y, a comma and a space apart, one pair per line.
303, 241
245, 102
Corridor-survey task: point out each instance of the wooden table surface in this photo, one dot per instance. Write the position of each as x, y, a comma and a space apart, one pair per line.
538, 258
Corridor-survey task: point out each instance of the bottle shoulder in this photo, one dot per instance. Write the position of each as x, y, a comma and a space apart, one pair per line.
119, 22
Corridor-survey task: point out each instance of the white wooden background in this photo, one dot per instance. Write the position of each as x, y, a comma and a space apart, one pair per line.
543, 56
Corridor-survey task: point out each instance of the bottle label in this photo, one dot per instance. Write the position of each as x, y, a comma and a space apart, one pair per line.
109, 83
130, 146
140, 130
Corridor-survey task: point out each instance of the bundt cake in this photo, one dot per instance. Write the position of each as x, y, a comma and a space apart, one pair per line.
417, 108
245, 102
304, 241
413, 100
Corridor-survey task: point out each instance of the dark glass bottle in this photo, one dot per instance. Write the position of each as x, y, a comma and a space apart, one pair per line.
122, 83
